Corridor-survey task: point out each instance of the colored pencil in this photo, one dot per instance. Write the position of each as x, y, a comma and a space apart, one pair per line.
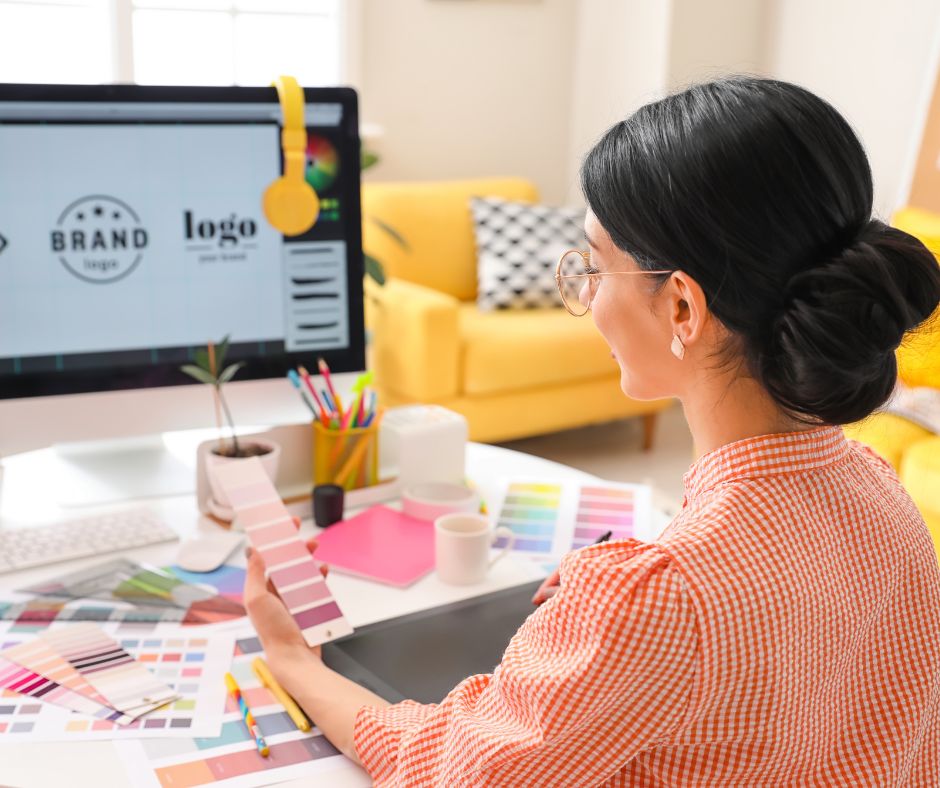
260, 667
309, 383
325, 371
295, 382
247, 716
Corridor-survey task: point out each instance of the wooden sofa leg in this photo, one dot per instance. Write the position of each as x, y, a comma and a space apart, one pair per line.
649, 429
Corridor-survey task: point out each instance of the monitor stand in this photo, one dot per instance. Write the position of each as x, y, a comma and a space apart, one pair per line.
111, 471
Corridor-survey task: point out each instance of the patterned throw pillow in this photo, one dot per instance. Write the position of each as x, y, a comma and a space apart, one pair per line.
518, 246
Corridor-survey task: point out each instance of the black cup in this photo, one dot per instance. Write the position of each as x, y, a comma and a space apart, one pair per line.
327, 504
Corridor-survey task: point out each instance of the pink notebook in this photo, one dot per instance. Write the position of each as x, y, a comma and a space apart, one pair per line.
379, 544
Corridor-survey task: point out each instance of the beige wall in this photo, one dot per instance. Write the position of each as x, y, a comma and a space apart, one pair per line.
874, 61
467, 88
622, 60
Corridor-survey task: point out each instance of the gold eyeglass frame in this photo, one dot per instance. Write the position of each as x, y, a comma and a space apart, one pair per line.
586, 256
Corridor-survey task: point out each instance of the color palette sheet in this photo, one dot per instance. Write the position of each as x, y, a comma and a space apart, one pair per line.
290, 567
551, 518
231, 758
191, 665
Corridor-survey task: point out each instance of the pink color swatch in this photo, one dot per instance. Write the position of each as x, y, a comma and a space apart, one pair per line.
289, 565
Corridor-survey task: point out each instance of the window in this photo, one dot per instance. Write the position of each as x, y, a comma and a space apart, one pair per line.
171, 42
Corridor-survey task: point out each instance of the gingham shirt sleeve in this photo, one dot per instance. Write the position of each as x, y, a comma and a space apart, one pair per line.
597, 674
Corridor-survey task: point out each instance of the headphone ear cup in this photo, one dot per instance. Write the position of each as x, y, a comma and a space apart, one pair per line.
290, 206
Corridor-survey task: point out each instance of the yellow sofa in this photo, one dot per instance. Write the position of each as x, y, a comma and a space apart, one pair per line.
511, 373
913, 451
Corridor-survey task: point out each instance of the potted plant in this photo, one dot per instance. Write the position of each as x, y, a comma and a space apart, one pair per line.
210, 369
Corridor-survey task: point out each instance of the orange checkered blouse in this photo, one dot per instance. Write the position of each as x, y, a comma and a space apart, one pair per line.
785, 629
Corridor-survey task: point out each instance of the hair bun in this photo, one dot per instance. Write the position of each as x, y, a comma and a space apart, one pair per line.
830, 349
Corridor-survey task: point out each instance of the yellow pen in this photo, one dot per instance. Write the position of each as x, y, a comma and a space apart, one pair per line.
247, 716
260, 667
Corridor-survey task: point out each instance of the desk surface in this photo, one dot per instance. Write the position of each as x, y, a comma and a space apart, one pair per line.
25, 499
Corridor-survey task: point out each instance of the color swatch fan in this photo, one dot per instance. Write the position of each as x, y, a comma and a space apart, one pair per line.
288, 563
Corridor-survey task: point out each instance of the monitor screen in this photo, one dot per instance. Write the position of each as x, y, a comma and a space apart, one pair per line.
132, 233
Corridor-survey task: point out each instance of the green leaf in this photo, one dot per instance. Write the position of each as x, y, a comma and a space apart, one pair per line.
367, 159
375, 270
220, 350
202, 360
202, 375
392, 232
229, 372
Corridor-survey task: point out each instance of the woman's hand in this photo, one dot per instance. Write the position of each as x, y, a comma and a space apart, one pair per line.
548, 589
276, 628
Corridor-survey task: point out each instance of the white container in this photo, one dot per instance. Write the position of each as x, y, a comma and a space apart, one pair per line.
423, 443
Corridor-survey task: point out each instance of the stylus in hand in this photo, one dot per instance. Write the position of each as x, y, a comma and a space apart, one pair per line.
550, 587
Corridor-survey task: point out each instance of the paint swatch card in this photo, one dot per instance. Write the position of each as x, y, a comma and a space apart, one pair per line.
289, 565
126, 684
23, 681
37, 655
551, 518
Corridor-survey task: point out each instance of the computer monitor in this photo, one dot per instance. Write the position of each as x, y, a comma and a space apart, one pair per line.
132, 232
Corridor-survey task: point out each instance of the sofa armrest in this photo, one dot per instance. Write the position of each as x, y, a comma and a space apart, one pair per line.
414, 340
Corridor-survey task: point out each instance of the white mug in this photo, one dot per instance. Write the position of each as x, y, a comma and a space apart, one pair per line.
462, 543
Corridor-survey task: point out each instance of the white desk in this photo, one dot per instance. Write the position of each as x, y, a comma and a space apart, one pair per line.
25, 499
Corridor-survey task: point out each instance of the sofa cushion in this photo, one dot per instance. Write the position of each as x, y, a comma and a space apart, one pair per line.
433, 219
507, 350
518, 246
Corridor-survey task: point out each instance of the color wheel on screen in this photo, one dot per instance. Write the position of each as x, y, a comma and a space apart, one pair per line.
322, 163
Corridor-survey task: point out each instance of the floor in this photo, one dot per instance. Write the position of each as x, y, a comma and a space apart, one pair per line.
613, 451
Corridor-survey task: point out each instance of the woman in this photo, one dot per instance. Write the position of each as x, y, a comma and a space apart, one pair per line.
785, 629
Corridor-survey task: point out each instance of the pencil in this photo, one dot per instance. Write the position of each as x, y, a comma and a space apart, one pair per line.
309, 383
260, 667
295, 382
325, 371
250, 723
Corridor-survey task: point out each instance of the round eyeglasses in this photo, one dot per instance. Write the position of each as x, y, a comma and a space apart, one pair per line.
578, 280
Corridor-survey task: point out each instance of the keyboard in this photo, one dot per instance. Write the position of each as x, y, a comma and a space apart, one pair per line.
22, 548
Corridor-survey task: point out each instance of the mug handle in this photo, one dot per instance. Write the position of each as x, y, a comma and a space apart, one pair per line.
502, 531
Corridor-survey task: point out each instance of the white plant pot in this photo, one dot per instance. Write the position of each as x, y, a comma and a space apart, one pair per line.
218, 502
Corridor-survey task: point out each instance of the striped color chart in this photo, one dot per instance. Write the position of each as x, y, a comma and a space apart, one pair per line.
531, 511
290, 567
39, 656
24, 681
602, 509
128, 686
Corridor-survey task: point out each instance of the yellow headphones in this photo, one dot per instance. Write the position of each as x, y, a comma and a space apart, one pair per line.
290, 203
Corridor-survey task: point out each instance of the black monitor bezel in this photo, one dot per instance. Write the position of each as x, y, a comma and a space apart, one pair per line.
129, 377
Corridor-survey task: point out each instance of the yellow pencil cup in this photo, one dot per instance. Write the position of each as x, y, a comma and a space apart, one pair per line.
349, 458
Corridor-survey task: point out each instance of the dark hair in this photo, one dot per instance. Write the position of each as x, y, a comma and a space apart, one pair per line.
761, 192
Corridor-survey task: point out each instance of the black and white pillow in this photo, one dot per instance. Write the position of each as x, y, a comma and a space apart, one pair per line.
518, 246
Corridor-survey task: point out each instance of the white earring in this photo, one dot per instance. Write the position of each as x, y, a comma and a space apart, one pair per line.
677, 348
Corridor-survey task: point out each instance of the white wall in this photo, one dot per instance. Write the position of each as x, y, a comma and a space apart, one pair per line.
621, 63
873, 60
468, 88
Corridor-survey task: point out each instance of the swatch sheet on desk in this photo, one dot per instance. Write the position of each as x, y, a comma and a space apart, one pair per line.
290, 567
551, 518
186, 666
231, 758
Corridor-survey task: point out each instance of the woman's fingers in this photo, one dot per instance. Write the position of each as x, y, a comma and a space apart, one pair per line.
548, 588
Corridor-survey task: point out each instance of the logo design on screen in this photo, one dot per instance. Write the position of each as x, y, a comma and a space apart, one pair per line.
99, 239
